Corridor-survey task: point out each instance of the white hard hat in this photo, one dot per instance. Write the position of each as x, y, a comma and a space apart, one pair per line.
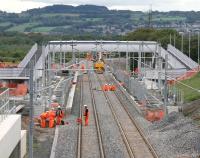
85, 105
53, 97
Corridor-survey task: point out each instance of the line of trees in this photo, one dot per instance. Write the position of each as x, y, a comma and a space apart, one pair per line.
16, 45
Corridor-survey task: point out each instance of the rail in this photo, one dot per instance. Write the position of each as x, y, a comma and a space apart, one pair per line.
125, 139
101, 148
151, 148
79, 144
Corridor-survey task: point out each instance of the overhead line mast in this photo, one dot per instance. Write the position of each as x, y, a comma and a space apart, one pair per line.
150, 17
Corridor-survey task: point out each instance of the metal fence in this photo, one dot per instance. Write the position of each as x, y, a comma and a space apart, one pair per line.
141, 90
62, 91
5, 107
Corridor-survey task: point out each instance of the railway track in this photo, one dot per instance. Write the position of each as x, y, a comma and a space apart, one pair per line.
135, 141
120, 93
79, 141
125, 139
82, 147
101, 148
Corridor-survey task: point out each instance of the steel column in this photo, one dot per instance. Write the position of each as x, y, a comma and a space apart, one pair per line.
159, 66
198, 47
165, 88
31, 113
189, 43
139, 59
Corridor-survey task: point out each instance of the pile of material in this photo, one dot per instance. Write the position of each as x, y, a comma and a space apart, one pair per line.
192, 110
175, 136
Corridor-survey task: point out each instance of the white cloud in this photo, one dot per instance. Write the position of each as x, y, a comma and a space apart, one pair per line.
130, 7
143, 5
18, 5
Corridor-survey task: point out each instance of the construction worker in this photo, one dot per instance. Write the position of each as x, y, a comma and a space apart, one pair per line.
109, 87
86, 115
113, 88
106, 87
59, 115
43, 118
52, 116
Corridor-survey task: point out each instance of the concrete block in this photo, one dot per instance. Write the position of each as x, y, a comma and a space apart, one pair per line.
10, 135
23, 147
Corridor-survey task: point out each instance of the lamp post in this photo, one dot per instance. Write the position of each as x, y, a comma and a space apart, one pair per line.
31, 126
198, 48
182, 42
174, 40
189, 43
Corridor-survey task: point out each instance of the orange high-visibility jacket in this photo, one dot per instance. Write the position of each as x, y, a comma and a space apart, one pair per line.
52, 114
44, 115
86, 113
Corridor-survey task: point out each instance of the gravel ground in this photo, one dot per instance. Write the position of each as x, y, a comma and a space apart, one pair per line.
174, 137
41, 137
111, 137
176, 134
67, 135
67, 139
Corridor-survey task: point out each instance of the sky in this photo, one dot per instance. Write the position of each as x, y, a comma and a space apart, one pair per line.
141, 5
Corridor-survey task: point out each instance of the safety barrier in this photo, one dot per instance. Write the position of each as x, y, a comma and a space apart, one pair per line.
189, 74
4, 104
28, 57
154, 115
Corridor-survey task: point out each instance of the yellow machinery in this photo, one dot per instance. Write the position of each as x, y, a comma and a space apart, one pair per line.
89, 56
99, 66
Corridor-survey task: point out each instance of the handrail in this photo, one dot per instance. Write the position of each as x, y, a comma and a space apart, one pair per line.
4, 105
182, 57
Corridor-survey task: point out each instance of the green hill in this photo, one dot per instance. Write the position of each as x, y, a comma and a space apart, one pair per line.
89, 19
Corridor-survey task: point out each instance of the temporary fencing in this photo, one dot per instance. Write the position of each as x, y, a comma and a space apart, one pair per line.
189, 74
154, 115
150, 105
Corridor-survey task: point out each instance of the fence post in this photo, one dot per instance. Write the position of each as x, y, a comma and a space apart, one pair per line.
31, 115
165, 90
